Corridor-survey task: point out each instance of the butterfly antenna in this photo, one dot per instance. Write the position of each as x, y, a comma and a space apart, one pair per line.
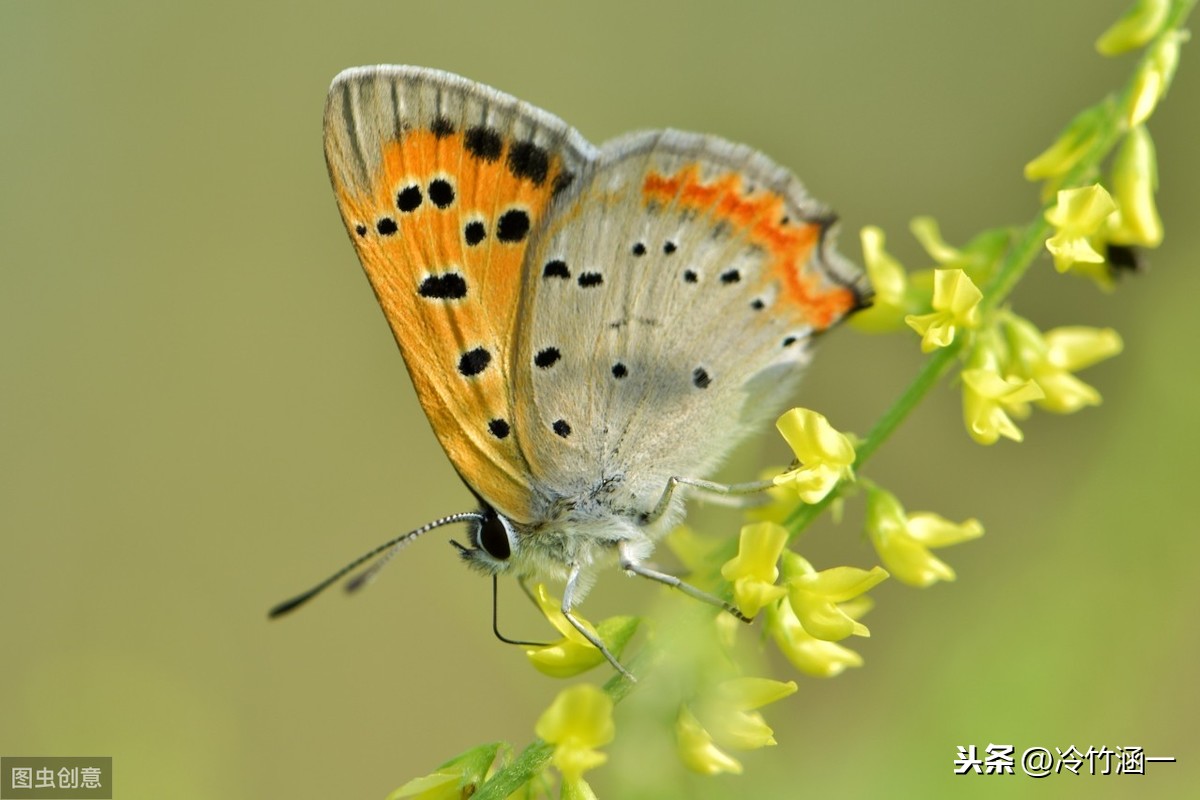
388, 549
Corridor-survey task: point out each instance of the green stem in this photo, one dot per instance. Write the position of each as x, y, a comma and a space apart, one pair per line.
532, 760
1025, 249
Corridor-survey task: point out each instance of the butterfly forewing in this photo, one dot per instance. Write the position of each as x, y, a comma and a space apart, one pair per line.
442, 184
667, 311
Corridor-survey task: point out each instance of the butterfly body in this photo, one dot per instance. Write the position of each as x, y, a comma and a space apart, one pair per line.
581, 324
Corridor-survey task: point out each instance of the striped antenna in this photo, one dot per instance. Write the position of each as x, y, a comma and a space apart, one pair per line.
388, 551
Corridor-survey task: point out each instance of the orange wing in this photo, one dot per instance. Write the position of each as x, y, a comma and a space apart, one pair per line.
441, 182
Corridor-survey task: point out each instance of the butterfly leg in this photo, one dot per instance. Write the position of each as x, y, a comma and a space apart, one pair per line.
567, 602
726, 491
630, 565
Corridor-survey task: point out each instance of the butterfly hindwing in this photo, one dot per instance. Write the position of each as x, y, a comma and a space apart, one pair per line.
442, 184
668, 308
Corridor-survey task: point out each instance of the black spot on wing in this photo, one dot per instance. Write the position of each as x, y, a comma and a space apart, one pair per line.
386, 226
474, 361
547, 357
474, 232
483, 143
700, 378
409, 199
441, 193
512, 226
528, 161
447, 286
561, 427
589, 279
442, 128
499, 428
556, 269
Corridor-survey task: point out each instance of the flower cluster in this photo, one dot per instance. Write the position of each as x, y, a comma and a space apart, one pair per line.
807, 611
1008, 365
1097, 223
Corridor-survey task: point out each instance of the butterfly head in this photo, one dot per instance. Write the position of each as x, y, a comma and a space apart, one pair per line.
494, 544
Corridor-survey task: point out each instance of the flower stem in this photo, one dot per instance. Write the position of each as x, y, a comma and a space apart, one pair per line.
532, 760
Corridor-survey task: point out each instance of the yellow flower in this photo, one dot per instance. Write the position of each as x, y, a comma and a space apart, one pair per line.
1050, 359
730, 720
955, 306
574, 654
1135, 179
1153, 78
697, 750
903, 540
888, 279
1068, 350
989, 399
1135, 28
991, 396
826, 455
1147, 89
810, 655
455, 779
1071, 145
576, 723
753, 570
1077, 215
731, 714
816, 597
1076, 347
927, 232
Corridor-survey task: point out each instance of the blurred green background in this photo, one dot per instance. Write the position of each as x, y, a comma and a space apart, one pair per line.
203, 411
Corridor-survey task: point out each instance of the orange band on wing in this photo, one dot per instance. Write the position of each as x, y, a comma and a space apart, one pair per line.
759, 217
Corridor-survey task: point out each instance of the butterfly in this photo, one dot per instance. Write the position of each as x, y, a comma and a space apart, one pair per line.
588, 329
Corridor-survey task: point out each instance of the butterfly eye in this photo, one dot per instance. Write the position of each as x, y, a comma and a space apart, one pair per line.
495, 536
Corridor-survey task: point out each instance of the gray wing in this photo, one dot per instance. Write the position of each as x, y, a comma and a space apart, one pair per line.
668, 310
